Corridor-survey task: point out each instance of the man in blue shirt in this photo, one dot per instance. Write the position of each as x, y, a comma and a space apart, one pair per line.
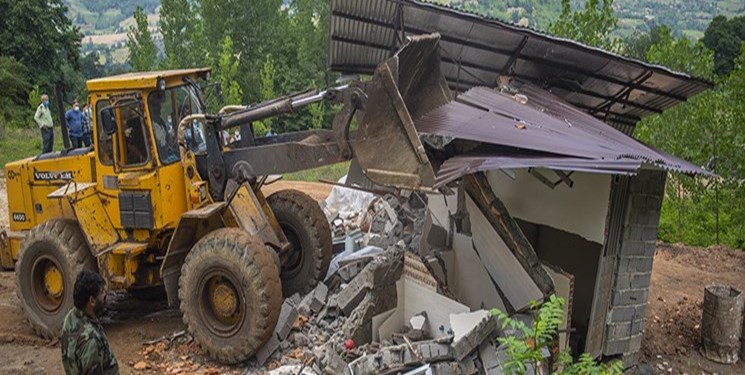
74, 120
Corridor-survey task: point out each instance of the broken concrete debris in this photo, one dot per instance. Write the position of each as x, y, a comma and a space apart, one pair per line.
390, 302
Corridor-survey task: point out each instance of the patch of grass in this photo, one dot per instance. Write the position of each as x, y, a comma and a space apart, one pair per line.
330, 172
17, 144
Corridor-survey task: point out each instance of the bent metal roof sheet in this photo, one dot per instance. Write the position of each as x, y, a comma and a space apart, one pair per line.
535, 128
476, 50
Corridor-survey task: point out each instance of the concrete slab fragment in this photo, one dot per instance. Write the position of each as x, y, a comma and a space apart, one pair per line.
516, 284
468, 278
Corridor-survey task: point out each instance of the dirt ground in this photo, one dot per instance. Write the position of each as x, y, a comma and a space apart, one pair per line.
672, 330
671, 338
129, 324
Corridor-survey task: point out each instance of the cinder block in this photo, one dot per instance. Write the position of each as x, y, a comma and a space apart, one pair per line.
637, 326
433, 351
349, 297
633, 232
654, 203
635, 343
650, 234
629, 297
633, 248
267, 350
622, 314
641, 280
640, 264
619, 331
287, 316
613, 347
319, 297
640, 310
623, 281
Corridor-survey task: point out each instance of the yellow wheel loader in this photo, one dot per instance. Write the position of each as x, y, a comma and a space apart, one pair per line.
164, 200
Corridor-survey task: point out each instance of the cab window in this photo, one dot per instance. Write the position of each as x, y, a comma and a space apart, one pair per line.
105, 141
167, 109
135, 149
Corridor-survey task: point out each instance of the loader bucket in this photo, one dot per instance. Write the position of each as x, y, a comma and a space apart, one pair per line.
403, 88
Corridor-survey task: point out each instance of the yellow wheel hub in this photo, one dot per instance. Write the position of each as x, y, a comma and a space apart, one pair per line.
224, 300
53, 284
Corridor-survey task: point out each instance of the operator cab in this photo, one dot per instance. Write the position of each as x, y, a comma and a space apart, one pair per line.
139, 128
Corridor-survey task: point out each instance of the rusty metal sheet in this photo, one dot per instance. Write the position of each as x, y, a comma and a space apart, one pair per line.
476, 50
456, 167
537, 129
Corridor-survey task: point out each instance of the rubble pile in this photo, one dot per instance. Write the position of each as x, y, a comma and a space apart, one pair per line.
377, 220
381, 310
363, 326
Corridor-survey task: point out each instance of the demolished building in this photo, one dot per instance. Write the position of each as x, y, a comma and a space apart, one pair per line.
546, 190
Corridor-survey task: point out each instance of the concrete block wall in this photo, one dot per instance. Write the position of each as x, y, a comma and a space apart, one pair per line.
633, 271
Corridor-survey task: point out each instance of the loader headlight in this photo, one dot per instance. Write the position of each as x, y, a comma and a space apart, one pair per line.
161, 84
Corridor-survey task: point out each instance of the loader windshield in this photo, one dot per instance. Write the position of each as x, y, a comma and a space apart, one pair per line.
167, 108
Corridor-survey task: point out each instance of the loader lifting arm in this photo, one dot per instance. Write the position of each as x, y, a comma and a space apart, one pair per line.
386, 145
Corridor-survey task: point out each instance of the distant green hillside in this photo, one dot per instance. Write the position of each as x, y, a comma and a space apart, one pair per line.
684, 17
105, 16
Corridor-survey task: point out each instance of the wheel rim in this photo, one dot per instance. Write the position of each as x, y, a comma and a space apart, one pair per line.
48, 283
295, 257
221, 306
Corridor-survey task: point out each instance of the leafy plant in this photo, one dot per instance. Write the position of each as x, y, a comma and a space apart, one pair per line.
526, 348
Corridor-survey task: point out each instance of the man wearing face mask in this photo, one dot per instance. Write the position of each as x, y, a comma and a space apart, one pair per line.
43, 118
85, 349
74, 120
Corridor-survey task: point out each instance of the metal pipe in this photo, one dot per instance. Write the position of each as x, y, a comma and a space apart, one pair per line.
231, 108
184, 124
273, 108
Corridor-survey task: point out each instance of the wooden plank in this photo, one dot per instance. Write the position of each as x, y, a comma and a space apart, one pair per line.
478, 188
564, 283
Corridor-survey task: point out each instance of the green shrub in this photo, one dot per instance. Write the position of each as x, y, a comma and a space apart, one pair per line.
527, 349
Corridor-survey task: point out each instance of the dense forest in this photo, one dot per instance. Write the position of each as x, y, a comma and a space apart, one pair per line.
262, 48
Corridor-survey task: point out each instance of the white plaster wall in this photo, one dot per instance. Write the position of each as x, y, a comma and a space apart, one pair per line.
581, 209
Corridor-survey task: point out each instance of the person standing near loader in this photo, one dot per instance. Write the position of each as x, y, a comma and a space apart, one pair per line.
87, 117
43, 118
85, 349
74, 120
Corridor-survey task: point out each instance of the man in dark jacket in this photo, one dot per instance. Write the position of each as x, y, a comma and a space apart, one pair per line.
74, 120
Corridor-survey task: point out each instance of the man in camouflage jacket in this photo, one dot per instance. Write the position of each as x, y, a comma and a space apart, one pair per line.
85, 349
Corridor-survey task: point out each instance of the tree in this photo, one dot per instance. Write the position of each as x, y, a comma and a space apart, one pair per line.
724, 38
250, 44
637, 44
227, 73
708, 130
182, 31
143, 55
38, 35
681, 54
15, 83
91, 67
593, 25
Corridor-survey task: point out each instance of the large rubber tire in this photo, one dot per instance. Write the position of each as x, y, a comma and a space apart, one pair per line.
57, 242
240, 264
305, 226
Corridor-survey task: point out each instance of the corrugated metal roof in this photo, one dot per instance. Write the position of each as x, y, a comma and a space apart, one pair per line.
454, 168
476, 50
538, 129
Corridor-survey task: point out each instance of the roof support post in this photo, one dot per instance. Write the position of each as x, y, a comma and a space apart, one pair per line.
478, 188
